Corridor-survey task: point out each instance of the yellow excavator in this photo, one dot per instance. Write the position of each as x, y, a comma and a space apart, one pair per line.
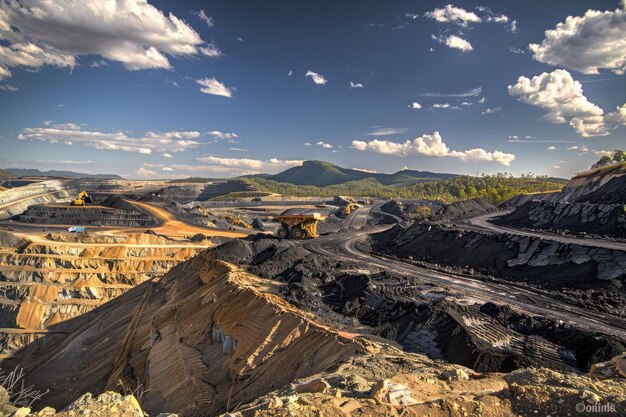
82, 199
238, 221
349, 208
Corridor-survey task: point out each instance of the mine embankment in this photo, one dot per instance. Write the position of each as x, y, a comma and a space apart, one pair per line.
518, 258
612, 192
420, 317
557, 217
463, 209
114, 211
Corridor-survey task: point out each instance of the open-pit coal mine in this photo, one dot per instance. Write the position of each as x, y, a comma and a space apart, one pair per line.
156, 302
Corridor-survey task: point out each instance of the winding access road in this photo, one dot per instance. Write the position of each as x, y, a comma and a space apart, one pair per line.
531, 301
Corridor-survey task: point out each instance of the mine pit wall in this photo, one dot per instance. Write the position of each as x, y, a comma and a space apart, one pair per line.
86, 216
203, 335
43, 285
547, 263
16, 201
599, 219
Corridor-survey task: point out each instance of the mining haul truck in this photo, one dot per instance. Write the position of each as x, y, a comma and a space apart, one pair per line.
298, 226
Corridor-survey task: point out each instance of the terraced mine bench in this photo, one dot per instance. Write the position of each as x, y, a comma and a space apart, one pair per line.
86, 215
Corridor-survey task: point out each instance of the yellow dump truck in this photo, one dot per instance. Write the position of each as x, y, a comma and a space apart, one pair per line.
298, 226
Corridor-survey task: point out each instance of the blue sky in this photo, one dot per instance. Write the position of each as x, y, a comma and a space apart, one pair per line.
203, 88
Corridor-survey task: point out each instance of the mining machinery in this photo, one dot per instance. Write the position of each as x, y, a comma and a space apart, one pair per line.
298, 226
82, 199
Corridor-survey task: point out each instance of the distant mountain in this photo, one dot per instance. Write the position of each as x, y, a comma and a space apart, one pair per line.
28, 172
5, 175
321, 174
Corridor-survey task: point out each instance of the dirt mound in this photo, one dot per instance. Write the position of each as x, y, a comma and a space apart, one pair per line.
257, 224
464, 209
332, 224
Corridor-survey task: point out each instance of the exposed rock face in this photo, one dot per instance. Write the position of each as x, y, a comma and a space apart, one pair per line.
386, 382
590, 181
43, 284
613, 192
203, 335
600, 219
603, 185
616, 367
521, 258
15, 201
107, 404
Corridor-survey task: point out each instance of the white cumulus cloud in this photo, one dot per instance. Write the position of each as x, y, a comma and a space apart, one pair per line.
355, 85
415, 105
324, 144
317, 78
431, 145
454, 42
214, 87
563, 98
140, 36
452, 14
586, 43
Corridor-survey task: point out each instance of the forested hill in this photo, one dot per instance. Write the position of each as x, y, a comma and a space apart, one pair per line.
321, 174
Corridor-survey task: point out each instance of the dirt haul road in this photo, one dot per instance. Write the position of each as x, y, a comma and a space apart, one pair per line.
530, 301
482, 223
171, 226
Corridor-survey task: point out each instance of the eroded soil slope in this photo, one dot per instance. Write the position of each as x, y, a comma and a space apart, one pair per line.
203, 335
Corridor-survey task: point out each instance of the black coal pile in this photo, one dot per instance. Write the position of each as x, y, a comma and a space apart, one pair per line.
332, 224
550, 264
9, 240
596, 219
257, 224
416, 315
390, 212
464, 209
